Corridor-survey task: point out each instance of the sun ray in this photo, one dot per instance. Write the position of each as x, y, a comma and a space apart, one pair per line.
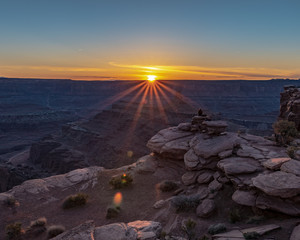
160, 105
113, 99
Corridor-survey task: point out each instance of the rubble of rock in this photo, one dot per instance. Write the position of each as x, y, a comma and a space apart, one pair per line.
260, 171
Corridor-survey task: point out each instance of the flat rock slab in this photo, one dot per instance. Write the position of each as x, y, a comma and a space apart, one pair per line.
278, 184
261, 230
210, 147
292, 166
170, 142
237, 165
275, 163
234, 234
278, 204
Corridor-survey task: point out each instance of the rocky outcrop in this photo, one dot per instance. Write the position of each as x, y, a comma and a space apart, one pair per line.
290, 105
261, 173
82, 177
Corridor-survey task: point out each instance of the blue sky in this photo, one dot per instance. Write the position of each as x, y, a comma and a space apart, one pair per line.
77, 38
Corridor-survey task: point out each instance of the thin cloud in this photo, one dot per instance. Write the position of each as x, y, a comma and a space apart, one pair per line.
217, 72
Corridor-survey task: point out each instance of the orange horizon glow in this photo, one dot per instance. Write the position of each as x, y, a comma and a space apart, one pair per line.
115, 71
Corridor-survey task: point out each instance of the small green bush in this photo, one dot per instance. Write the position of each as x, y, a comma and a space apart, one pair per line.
188, 227
204, 237
121, 181
112, 212
216, 228
184, 203
41, 222
291, 151
10, 201
255, 219
235, 215
77, 200
55, 230
167, 186
251, 235
285, 131
14, 230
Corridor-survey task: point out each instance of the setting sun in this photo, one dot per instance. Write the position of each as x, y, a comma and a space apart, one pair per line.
151, 78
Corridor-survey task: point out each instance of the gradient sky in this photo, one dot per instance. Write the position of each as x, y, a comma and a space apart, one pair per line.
130, 39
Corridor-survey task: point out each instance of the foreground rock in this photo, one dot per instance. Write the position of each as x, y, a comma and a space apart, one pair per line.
261, 173
278, 183
138, 230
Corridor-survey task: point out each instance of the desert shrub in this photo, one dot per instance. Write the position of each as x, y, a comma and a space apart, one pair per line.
77, 200
41, 222
163, 235
184, 203
189, 228
216, 228
255, 220
55, 230
14, 230
10, 201
204, 237
121, 181
235, 215
285, 131
251, 235
112, 212
167, 186
291, 151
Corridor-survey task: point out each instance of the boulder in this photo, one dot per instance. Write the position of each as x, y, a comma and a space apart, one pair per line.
291, 166
214, 186
202, 192
191, 160
206, 208
245, 198
146, 226
146, 164
237, 165
205, 177
278, 184
115, 231
296, 233
275, 163
189, 177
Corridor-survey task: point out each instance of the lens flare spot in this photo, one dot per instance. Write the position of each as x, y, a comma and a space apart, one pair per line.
118, 199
